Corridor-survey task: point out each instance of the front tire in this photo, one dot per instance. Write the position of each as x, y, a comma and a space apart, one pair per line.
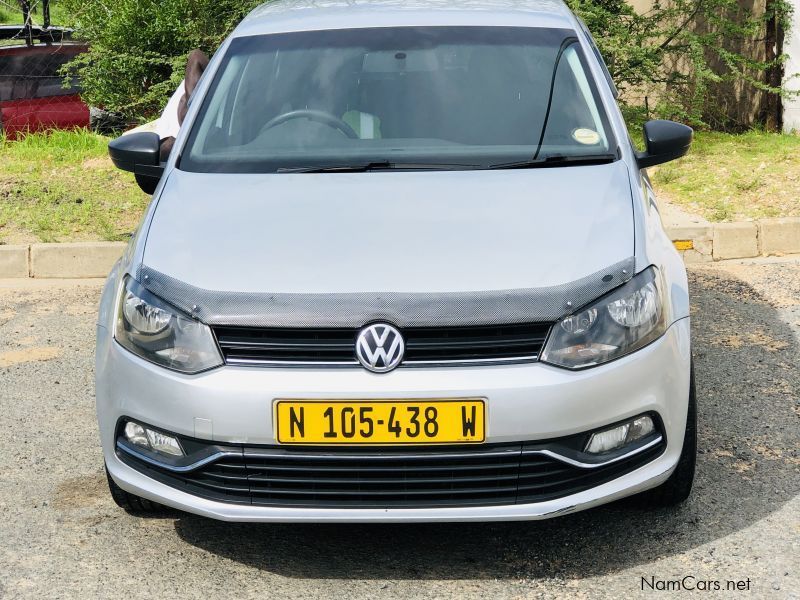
133, 504
678, 487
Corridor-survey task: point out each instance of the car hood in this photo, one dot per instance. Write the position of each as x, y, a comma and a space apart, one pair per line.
450, 231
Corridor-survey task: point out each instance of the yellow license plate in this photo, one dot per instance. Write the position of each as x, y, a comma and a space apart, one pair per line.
380, 422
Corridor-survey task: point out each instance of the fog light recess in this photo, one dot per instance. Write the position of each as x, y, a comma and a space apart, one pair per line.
621, 435
150, 439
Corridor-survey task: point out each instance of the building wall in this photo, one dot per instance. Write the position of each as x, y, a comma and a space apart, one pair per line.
641, 6
791, 105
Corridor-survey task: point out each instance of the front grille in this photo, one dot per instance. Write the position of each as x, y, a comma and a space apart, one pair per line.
392, 477
424, 345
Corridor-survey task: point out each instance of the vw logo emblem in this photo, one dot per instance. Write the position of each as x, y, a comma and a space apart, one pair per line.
380, 348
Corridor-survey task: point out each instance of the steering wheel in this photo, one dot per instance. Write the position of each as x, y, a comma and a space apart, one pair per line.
313, 115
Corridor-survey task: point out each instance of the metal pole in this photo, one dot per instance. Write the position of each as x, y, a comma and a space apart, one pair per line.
25, 5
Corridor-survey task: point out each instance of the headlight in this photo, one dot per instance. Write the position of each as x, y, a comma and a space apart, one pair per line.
154, 330
625, 320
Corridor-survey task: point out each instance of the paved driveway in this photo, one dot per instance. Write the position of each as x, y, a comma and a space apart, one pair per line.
61, 536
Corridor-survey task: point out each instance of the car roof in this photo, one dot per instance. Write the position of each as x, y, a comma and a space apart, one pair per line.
308, 15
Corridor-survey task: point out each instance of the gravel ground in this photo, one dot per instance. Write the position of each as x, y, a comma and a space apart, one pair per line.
61, 535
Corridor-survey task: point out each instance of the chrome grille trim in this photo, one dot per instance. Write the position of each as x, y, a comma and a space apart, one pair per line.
237, 362
425, 347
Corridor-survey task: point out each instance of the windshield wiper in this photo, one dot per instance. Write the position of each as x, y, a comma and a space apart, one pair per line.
558, 161
377, 166
385, 165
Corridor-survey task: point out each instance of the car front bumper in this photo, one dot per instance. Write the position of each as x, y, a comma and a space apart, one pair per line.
524, 403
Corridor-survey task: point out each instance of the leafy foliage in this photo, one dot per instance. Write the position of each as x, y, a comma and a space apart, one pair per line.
139, 47
698, 61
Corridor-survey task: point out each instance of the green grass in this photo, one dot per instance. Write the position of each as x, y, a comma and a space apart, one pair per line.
61, 186
728, 177
11, 15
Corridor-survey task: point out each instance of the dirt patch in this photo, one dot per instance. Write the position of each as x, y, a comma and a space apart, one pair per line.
28, 341
80, 492
6, 316
18, 357
734, 462
77, 310
742, 467
751, 339
97, 163
729, 341
768, 453
719, 453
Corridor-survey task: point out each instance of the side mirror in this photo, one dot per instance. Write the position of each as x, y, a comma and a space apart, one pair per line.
138, 153
666, 141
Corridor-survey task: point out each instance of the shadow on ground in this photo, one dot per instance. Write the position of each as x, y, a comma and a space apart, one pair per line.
749, 426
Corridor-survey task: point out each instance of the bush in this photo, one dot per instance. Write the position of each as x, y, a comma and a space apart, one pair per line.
139, 47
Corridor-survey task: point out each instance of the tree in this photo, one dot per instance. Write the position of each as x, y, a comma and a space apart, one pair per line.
707, 62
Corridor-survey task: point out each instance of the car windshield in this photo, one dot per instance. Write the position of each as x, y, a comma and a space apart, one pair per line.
406, 97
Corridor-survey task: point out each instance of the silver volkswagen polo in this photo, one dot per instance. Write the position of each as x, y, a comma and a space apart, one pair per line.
403, 264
